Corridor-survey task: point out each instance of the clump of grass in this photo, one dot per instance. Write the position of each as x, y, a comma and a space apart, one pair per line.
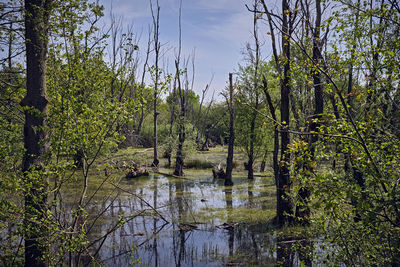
240, 215
198, 164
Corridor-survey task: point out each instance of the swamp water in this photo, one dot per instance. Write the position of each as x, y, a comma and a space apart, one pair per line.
191, 221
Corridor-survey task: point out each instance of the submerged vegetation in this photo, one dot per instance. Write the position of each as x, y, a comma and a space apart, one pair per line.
305, 142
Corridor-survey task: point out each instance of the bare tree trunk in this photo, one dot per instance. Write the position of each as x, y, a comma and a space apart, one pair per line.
182, 102
10, 46
179, 154
251, 156
179, 164
250, 162
156, 25
302, 209
229, 160
181, 126
203, 94
284, 205
275, 163
155, 151
141, 118
37, 14
168, 152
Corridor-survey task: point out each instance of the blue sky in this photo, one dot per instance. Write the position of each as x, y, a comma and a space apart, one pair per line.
217, 29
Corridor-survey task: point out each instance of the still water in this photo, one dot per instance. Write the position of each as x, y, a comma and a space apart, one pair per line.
193, 221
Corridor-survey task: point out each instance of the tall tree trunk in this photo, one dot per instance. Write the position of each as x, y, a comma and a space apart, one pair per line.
37, 14
10, 46
168, 151
156, 25
284, 203
182, 102
181, 127
275, 163
284, 206
302, 209
250, 163
179, 153
229, 159
142, 105
155, 151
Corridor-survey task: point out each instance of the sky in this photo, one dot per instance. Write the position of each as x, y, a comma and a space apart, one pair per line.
217, 29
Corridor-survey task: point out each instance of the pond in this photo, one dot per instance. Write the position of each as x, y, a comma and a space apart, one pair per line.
190, 221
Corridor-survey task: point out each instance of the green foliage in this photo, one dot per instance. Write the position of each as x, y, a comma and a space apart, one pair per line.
12, 90
250, 105
83, 119
355, 203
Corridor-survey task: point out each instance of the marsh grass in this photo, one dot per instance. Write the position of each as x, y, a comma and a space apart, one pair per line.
195, 160
198, 164
237, 215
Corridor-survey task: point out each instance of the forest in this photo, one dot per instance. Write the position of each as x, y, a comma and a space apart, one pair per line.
113, 155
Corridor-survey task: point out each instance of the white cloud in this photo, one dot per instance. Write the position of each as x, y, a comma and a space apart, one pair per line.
218, 29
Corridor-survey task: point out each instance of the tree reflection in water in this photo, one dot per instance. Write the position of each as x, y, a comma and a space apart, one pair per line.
188, 239
229, 227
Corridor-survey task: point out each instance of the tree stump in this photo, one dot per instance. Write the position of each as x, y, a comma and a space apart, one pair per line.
218, 172
136, 172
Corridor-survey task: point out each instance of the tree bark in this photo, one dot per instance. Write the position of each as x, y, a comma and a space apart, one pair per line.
302, 209
37, 14
181, 127
182, 102
284, 206
275, 163
284, 203
229, 159
251, 156
156, 25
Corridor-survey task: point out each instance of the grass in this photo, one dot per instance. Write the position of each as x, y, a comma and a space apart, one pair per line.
197, 160
237, 214
198, 164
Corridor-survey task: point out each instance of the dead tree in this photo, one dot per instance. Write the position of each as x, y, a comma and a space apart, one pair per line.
142, 85
203, 93
182, 98
255, 61
157, 46
229, 159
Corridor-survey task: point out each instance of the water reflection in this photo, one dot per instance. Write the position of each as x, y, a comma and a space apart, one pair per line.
229, 227
185, 238
250, 188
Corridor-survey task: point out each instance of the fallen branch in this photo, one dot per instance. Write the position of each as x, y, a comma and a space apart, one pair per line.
171, 175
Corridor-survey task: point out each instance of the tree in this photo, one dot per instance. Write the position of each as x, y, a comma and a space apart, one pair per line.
37, 13
250, 127
283, 66
302, 209
157, 46
255, 95
229, 159
272, 110
358, 201
182, 94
